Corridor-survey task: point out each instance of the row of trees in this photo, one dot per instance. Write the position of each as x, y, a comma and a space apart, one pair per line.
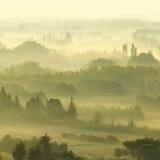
7, 103
35, 106
43, 149
53, 108
110, 139
101, 79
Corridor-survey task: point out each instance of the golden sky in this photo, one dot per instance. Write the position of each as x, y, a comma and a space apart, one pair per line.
79, 8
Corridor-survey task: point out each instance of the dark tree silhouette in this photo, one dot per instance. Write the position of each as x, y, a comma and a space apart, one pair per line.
7, 104
42, 150
140, 149
133, 51
55, 108
125, 49
19, 151
72, 111
35, 105
17, 104
97, 118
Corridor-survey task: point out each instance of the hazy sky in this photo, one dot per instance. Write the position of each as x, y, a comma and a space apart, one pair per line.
79, 8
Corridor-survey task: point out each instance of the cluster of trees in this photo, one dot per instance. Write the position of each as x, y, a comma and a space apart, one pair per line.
139, 59
29, 67
53, 108
43, 149
135, 59
8, 143
144, 59
101, 62
133, 50
141, 149
110, 139
7, 104
35, 107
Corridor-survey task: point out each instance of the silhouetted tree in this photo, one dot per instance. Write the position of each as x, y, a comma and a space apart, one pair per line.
125, 49
72, 111
131, 124
55, 108
35, 105
36, 152
43, 150
133, 51
19, 151
6, 102
17, 104
97, 117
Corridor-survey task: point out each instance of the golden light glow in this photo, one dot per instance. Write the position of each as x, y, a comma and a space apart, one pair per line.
79, 8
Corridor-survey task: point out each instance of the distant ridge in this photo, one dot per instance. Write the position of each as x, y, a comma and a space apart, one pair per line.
30, 47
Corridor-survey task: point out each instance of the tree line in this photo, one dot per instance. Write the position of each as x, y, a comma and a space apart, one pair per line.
43, 149
35, 107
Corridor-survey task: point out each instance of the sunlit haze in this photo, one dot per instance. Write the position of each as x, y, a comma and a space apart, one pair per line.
79, 8
79, 79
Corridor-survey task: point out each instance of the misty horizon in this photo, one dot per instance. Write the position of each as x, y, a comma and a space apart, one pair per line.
18, 9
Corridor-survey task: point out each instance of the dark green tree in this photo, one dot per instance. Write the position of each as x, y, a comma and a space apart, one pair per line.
133, 51
125, 49
19, 151
72, 111
36, 152
35, 105
97, 118
6, 102
143, 149
17, 104
43, 150
55, 108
